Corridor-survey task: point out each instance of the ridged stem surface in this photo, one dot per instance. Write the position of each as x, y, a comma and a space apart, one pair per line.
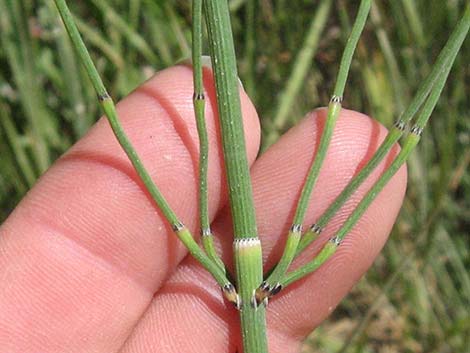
270, 286
109, 109
247, 250
409, 144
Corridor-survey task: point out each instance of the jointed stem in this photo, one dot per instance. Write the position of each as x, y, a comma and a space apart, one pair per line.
199, 108
110, 111
109, 108
410, 143
247, 247
271, 285
228, 102
443, 62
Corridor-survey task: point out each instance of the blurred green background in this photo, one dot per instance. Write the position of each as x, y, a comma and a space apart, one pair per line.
416, 298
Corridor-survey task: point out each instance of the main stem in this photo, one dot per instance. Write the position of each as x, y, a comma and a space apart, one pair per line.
247, 247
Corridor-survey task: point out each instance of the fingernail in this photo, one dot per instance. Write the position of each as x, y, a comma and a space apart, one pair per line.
207, 63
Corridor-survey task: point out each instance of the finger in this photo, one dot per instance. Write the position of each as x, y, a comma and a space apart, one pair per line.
86, 249
277, 180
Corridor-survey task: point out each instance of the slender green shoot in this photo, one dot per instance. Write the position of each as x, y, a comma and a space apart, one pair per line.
409, 144
109, 109
247, 246
271, 285
441, 65
199, 108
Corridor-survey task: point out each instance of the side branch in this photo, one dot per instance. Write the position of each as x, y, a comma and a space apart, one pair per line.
109, 109
272, 286
409, 144
199, 110
441, 65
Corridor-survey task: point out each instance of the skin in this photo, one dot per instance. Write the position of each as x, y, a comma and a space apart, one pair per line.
87, 264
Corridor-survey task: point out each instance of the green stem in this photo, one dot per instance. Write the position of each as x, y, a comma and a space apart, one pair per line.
247, 248
199, 108
109, 109
271, 285
443, 62
248, 262
408, 146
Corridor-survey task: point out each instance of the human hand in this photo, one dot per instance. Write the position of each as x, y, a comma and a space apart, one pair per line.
87, 263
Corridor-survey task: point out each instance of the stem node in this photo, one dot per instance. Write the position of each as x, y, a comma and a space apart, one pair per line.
177, 227
315, 228
400, 125
266, 291
417, 130
104, 96
336, 99
230, 293
336, 240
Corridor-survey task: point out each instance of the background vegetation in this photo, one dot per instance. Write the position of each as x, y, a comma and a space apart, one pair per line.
417, 296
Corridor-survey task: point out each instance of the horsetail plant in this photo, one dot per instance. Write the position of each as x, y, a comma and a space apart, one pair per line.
109, 109
271, 286
249, 293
